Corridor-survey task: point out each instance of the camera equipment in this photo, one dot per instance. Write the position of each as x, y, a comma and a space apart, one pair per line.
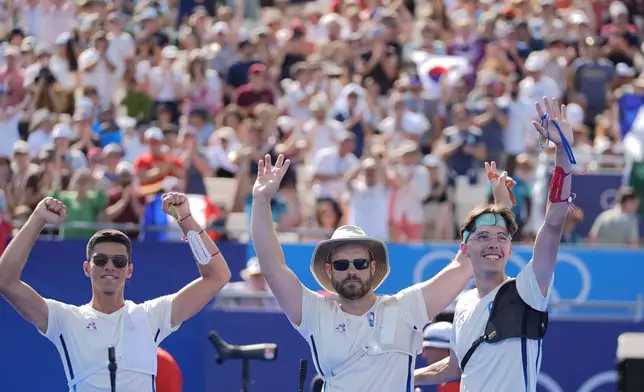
225, 351
630, 362
46, 75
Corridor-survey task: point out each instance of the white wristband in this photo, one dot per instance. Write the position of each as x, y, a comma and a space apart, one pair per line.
199, 250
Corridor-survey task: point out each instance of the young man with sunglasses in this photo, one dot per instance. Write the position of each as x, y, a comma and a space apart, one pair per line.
499, 326
82, 334
359, 341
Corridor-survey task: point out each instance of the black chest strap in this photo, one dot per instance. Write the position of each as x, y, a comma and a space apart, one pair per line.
510, 317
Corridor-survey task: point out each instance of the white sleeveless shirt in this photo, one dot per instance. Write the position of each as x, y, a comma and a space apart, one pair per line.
373, 352
82, 336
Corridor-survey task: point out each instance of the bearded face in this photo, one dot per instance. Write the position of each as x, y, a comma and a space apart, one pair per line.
351, 270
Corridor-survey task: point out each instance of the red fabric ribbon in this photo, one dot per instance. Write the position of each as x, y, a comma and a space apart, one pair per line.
508, 185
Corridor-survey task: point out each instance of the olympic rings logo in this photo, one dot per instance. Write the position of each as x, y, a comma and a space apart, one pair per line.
609, 377
608, 198
516, 259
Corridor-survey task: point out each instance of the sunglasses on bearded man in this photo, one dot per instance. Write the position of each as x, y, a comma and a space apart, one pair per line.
343, 264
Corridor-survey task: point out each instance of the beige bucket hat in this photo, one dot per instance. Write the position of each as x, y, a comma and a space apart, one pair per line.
350, 235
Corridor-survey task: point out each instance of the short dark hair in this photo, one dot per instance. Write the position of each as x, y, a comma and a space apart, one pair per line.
505, 212
109, 236
626, 194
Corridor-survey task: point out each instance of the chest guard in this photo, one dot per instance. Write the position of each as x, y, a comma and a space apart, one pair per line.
510, 317
390, 333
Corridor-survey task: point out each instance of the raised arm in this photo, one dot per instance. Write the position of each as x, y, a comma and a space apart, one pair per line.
439, 372
546, 245
20, 295
501, 185
442, 289
286, 287
212, 265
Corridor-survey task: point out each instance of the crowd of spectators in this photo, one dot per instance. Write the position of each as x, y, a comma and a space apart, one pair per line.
387, 109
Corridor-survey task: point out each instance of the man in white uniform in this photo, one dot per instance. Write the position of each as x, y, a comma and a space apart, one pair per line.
359, 341
82, 334
507, 363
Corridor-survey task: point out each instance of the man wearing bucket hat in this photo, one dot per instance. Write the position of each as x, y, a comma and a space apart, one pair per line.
359, 341
499, 325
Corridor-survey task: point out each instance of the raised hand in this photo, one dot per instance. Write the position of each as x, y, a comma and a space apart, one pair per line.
269, 177
556, 113
51, 211
501, 185
175, 204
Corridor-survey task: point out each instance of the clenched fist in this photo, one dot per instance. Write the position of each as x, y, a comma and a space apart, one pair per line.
179, 202
51, 211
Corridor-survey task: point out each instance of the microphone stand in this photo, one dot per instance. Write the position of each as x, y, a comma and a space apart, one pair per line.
111, 356
303, 370
245, 375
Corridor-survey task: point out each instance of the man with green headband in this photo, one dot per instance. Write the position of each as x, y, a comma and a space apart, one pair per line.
498, 326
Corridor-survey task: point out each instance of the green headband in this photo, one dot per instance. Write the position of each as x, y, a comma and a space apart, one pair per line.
489, 219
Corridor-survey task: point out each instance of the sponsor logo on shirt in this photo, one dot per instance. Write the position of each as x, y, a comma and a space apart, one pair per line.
372, 319
341, 327
91, 326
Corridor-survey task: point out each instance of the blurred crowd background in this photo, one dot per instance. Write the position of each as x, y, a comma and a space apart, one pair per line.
387, 110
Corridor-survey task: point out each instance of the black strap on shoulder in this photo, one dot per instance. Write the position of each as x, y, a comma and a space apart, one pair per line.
485, 336
510, 317
470, 352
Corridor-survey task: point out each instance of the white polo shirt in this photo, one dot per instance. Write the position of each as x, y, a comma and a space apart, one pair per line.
335, 336
505, 366
82, 336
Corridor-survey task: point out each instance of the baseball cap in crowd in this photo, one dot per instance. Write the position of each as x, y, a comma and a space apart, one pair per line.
21, 147
285, 123
154, 133
252, 269
112, 148
43, 49
535, 62
617, 8
622, 70
170, 52
577, 18
124, 167
63, 38
147, 14
220, 28
11, 51
437, 335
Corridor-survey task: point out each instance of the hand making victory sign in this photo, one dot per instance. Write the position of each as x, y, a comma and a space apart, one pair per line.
501, 185
269, 177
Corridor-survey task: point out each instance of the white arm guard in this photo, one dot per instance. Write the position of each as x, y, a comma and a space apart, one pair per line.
199, 250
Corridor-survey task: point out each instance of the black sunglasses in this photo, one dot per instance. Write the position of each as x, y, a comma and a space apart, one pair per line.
119, 261
343, 265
